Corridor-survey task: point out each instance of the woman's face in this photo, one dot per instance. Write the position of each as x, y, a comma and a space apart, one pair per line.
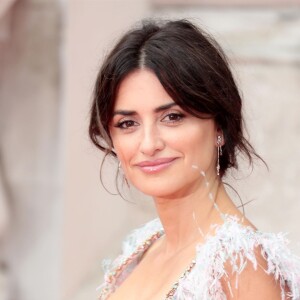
157, 142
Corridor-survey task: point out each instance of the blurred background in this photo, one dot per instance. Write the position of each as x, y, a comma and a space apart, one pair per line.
57, 222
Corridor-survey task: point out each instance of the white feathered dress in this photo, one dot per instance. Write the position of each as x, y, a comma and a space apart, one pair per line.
232, 243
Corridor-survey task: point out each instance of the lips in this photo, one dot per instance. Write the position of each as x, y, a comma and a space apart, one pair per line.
156, 165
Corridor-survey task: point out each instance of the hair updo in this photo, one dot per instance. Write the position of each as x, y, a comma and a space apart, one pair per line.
192, 68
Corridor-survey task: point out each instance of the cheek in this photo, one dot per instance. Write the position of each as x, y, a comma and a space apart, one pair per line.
125, 149
199, 146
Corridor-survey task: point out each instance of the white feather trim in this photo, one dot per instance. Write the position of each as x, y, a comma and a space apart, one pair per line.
232, 243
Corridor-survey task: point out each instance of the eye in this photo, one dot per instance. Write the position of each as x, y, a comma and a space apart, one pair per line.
126, 124
173, 117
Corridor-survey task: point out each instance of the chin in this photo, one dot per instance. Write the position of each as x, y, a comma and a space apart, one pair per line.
162, 189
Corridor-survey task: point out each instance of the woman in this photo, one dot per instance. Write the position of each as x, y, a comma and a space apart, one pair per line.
167, 108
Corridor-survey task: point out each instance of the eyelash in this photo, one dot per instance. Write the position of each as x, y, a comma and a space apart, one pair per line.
179, 117
121, 124
128, 124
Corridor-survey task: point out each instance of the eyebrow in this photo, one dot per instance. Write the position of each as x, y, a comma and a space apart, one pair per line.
156, 110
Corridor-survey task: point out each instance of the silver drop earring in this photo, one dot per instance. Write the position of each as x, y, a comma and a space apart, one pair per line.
219, 144
124, 179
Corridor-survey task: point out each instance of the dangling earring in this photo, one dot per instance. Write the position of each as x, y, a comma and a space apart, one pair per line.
219, 144
123, 176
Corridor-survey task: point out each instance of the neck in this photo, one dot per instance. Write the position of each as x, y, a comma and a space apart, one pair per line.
187, 219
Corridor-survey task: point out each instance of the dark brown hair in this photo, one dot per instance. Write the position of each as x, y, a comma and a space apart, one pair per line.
191, 67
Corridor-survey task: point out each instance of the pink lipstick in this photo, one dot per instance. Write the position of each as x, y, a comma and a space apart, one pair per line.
155, 166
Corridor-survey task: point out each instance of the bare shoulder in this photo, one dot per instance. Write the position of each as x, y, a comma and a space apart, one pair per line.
251, 281
257, 265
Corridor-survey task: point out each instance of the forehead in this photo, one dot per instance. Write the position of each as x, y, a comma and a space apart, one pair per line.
141, 89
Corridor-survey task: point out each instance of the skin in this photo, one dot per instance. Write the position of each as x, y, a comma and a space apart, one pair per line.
143, 129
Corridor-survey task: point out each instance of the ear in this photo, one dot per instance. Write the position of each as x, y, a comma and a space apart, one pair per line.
220, 141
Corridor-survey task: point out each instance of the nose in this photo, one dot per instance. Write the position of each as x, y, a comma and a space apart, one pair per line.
151, 141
